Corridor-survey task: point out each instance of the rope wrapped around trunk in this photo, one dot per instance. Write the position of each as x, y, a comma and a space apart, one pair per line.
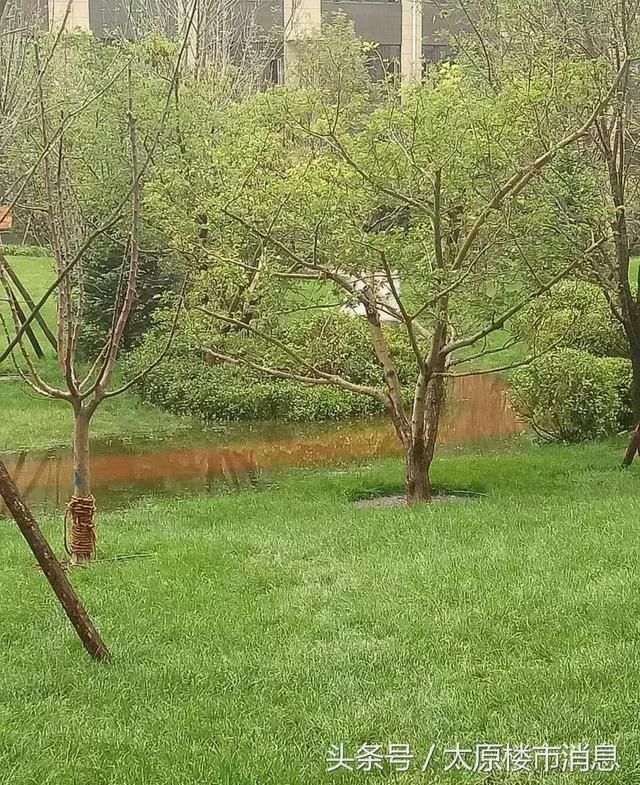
82, 536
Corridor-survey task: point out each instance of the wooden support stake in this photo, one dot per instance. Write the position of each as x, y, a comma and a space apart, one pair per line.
30, 334
30, 303
52, 568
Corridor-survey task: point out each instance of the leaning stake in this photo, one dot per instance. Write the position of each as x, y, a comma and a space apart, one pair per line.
52, 568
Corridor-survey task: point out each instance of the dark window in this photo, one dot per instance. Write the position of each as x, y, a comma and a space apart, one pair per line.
113, 20
435, 53
275, 71
27, 13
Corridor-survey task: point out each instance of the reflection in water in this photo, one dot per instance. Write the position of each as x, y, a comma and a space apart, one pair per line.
477, 409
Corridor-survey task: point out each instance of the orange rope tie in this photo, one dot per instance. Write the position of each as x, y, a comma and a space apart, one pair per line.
84, 538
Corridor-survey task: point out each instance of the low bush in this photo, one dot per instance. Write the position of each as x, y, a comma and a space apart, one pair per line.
570, 395
622, 375
573, 315
190, 383
27, 250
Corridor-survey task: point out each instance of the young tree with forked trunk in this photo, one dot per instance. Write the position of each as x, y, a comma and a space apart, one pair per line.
85, 384
14, 102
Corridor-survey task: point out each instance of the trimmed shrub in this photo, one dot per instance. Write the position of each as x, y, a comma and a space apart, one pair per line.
27, 250
571, 396
573, 315
188, 383
622, 376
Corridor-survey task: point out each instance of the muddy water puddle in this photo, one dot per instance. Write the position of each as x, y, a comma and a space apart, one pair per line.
236, 455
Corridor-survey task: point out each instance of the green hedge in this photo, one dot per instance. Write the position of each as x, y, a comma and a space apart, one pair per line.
27, 250
188, 383
573, 315
581, 388
571, 395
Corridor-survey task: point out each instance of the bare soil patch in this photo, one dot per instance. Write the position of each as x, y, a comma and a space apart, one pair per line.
400, 501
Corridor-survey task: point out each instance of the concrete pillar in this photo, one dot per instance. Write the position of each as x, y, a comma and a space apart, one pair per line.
411, 42
302, 19
78, 16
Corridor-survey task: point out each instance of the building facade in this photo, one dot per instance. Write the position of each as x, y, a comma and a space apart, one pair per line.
409, 33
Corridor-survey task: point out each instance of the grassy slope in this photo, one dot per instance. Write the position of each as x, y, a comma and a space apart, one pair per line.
273, 623
30, 421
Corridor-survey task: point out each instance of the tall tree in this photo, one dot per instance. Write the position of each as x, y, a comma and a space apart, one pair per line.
508, 34
434, 214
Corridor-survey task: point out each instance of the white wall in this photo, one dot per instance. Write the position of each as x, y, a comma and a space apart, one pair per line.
302, 19
78, 17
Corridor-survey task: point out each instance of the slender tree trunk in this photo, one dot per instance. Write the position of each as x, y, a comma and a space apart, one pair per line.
420, 451
616, 163
632, 449
635, 382
81, 455
82, 506
417, 483
634, 442
29, 330
432, 413
52, 569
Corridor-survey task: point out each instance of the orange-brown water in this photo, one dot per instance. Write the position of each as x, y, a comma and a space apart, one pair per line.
478, 409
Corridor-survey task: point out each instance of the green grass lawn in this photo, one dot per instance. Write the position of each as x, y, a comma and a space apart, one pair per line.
273, 623
31, 422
